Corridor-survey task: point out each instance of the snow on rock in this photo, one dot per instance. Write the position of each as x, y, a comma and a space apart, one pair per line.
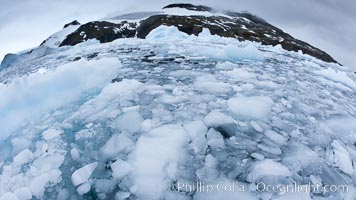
250, 107
268, 167
83, 174
154, 151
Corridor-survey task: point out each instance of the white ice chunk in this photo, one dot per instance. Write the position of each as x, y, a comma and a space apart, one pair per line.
23, 157
154, 151
342, 158
120, 168
83, 174
250, 107
39, 183
23, 193
116, 144
51, 133
267, 167
216, 118
275, 137
122, 195
129, 121
84, 188
74, 153
29, 97
166, 33
337, 76
256, 126
9, 196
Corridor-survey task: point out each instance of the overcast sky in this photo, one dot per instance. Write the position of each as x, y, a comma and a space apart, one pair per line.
327, 24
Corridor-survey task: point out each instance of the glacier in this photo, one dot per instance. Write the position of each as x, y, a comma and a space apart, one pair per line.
133, 118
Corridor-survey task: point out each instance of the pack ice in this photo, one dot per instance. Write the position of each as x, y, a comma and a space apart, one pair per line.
133, 118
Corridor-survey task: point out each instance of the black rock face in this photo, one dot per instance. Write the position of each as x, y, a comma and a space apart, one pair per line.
242, 26
102, 31
75, 22
189, 6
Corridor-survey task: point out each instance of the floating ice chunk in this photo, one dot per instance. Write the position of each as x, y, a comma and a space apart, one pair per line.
272, 150
207, 83
116, 144
113, 93
227, 190
256, 126
216, 118
275, 137
29, 97
343, 127
337, 76
74, 153
250, 107
23, 193
83, 174
23, 157
154, 151
120, 169
197, 130
209, 171
130, 122
300, 156
215, 139
9, 196
249, 52
267, 167
166, 33
84, 188
257, 156
39, 183
51, 133
342, 158
296, 195
222, 123
239, 74
122, 195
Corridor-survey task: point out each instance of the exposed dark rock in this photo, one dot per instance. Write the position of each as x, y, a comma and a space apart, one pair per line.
102, 31
75, 22
242, 26
248, 27
189, 6
77, 58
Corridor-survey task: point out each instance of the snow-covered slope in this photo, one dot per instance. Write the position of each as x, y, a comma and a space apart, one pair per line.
176, 116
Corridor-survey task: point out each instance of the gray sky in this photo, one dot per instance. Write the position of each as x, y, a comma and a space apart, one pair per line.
327, 24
